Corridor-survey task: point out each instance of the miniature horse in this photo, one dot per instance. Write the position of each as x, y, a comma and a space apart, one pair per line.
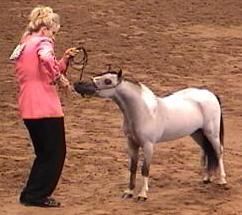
149, 119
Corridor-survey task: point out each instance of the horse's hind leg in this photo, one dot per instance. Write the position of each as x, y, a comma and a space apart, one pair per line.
199, 138
133, 152
222, 179
218, 147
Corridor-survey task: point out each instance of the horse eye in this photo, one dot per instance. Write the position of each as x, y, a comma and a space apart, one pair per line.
107, 81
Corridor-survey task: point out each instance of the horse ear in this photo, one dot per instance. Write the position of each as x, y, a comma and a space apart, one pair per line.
120, 73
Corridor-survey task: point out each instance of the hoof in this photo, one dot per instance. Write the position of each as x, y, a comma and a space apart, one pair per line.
141, 198
127, 196
207, 181
222, 182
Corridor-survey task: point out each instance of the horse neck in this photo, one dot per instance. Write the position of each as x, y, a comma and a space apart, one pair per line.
128, 98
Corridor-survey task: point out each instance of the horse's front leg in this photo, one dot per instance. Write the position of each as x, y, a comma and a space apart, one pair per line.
133, 152
148, 153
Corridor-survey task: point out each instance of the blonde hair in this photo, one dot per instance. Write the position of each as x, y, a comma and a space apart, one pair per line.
42, 16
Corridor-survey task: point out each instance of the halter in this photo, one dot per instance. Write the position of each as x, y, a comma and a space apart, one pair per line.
108, 71
79, 63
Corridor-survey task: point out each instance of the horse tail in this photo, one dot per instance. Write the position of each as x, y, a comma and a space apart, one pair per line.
221, 132
212, 157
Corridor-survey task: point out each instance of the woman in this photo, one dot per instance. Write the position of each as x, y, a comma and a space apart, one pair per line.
37, 71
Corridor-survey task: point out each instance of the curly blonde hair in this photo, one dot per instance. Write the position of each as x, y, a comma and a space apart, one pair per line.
42, 16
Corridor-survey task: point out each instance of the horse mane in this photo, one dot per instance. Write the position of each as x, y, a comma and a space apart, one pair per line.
132, 80
107, 72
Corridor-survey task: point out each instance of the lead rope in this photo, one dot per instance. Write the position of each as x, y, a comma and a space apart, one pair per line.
78, 63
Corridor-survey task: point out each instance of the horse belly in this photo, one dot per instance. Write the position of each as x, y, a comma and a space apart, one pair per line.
182, 123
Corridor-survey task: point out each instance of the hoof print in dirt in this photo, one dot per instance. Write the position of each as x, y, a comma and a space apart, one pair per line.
127, 196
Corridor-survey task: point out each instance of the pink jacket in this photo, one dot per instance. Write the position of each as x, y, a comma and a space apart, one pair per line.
36, 70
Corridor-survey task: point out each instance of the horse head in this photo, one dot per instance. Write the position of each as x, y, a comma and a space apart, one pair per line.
101, 85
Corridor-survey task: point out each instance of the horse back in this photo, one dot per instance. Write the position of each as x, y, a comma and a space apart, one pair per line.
199, 95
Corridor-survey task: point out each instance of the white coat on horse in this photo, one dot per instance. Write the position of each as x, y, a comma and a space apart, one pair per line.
149, 119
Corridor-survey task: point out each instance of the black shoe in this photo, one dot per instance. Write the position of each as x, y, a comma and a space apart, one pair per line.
46, 203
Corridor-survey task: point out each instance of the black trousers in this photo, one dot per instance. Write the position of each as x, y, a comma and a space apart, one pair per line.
48, 139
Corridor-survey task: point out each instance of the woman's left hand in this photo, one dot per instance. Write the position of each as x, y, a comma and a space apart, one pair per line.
69, 53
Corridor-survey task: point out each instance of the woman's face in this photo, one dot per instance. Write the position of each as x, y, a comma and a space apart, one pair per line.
51, 32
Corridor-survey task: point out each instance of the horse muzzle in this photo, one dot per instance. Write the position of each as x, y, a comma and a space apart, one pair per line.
85, 88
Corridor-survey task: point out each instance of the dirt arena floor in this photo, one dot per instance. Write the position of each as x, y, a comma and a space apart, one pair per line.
167, 45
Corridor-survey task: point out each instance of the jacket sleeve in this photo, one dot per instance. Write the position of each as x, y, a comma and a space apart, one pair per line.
48, 59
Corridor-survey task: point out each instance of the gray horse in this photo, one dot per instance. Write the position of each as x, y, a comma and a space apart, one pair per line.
149, 119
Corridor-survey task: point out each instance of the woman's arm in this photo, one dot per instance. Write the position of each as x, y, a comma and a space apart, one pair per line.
48, 59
